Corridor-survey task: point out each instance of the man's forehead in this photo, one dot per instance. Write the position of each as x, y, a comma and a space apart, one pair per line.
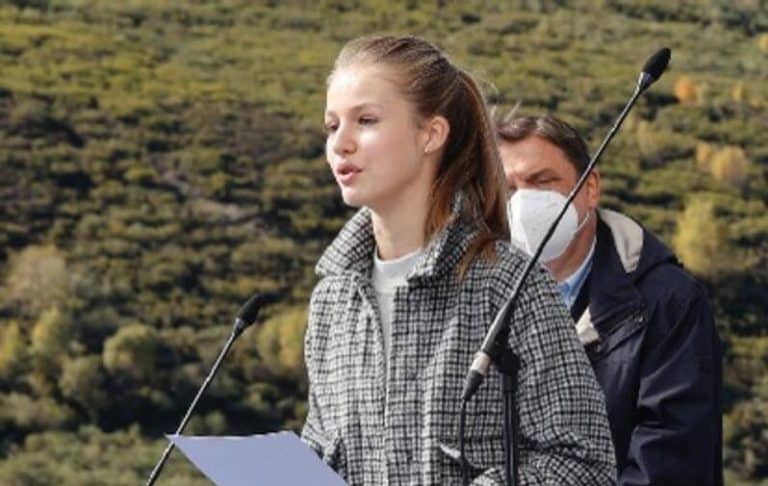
533, 154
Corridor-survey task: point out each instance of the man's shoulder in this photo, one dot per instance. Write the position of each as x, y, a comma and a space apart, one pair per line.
655, 270
670, 283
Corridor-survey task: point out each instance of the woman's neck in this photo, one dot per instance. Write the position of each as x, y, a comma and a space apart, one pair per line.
399, 230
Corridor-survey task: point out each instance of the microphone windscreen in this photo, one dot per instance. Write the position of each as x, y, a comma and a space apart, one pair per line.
657, 63
250, 310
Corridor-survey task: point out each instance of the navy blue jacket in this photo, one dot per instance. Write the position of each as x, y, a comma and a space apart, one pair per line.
656, 354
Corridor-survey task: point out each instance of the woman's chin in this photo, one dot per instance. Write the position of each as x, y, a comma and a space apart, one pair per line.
357, 197
352, 200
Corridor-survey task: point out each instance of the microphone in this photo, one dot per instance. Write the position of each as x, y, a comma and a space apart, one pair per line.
249, 311
496, 339
654, 67
245, 317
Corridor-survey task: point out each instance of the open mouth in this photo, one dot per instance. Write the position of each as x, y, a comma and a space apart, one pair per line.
347, 169
346, 173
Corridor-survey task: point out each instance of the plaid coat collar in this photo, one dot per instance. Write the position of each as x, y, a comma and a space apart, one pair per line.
351, 252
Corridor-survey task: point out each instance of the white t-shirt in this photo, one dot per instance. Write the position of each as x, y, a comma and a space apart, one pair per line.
386, 277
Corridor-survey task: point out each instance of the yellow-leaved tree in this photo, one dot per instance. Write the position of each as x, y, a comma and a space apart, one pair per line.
730, 165
280, 343
38, 280
687, 91
13, 351
700, 239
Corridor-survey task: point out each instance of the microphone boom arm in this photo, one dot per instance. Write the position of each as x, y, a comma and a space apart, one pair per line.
497, 336
245, 317
159, 466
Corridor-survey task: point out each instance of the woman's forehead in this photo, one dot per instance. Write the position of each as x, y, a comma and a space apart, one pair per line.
363, 85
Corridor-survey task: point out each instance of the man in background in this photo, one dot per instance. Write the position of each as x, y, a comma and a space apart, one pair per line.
646, 324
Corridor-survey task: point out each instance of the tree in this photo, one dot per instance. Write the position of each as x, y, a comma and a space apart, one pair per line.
132, 352
659, 145
82, 382
731, 166
32, 414
13, 351
50, 340
704, 152
687, 91
762, 43
38, 280
699, 240
280, 343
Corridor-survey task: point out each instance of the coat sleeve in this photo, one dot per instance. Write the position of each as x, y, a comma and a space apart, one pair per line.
678, 436
563, 425
314, 432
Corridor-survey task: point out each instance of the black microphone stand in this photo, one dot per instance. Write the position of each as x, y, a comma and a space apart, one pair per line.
495, 348
245, 318
508, 364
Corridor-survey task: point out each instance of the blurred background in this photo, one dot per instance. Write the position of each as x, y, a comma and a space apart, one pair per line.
162, 160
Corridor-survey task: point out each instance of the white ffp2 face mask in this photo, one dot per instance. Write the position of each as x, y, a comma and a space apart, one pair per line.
531, 213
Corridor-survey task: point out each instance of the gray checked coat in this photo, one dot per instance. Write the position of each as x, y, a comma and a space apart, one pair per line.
378, 426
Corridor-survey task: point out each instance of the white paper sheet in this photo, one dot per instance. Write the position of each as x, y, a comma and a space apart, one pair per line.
279, 459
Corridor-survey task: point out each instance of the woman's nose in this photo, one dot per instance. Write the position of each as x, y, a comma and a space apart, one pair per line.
343, 142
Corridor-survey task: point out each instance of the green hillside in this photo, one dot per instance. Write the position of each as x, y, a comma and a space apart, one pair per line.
160, 161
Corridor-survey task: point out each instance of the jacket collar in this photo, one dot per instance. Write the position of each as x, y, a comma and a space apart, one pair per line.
624, 254
351, 252
612, 290
627, 238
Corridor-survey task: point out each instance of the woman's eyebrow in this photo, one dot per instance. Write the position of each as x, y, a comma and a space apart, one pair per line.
357, 108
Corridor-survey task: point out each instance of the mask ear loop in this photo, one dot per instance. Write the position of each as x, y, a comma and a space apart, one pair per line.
583, 222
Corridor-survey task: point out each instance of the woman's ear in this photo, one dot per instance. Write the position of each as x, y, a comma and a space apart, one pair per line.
437, 129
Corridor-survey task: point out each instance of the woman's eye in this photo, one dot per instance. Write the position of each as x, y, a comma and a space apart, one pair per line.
330, 127
368, 120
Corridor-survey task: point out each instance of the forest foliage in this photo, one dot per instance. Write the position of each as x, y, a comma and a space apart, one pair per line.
161, 161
